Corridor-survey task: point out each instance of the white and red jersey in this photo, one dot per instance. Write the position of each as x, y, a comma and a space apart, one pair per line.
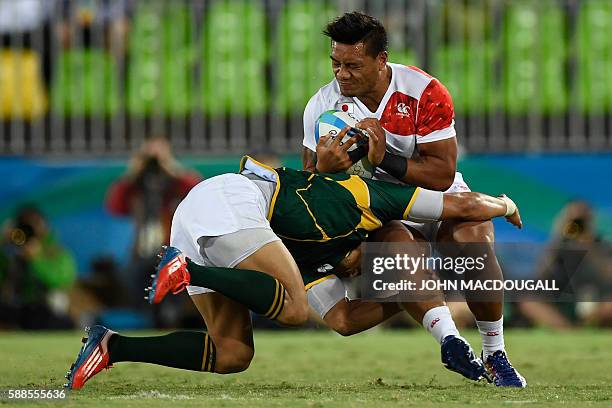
416, 108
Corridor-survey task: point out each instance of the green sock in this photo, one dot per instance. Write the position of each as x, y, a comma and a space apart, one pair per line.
187, 350
259, 292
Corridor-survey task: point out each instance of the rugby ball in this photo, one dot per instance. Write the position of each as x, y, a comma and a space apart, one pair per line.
332, 122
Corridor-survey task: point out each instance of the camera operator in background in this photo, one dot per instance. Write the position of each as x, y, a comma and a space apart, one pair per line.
581, 262
36, 274
149, 192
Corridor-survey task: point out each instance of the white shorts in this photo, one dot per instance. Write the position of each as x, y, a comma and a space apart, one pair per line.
222, 221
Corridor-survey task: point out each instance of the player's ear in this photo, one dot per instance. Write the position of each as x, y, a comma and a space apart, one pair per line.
382, 58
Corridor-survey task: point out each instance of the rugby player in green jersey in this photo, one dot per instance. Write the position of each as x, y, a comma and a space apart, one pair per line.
239, 243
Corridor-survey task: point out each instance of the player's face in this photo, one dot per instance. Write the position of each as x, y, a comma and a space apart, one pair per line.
357, 73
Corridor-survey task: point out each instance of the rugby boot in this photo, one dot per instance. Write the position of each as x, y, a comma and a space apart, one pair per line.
458, 356
502, 372
171, 275
92, 358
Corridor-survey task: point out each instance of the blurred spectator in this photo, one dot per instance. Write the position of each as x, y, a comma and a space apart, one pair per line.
100, 290
37, 273
82, 19
149, 192
590, 279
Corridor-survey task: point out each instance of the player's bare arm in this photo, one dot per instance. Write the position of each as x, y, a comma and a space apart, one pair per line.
473, 206
468, 206
432, 168
435, 165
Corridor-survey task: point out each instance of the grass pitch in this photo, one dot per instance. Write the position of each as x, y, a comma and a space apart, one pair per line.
318, 368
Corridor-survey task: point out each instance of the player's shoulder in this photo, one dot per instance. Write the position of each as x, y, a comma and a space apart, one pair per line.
412, 80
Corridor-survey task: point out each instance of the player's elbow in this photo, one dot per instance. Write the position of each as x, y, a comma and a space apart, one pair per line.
446, 180
441, 185
437, 185
442, 181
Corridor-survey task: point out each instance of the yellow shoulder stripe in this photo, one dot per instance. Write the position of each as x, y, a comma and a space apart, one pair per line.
411, 203
359, 189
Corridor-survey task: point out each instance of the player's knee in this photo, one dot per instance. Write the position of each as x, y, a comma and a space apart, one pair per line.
340, 323
295, 314
235, 360
344, 327
475, 232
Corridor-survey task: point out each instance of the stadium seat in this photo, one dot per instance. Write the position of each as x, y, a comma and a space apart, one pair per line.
303, 64
467, 72
535, 51
85, 83
161, 60
594, 48
234, 52
22, 90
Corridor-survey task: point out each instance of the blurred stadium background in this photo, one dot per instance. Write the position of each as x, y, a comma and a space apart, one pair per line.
84, 83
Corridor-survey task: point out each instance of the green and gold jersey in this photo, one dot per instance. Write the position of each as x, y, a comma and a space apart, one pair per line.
321, 217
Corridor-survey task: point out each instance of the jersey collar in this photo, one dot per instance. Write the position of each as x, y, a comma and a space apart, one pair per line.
383, 101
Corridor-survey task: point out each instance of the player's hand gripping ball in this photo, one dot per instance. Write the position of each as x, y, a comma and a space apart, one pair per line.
332, 122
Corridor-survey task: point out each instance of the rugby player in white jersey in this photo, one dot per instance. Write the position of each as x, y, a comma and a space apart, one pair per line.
409, 116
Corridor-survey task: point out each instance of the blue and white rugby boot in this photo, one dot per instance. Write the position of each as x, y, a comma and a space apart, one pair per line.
92, 358
503, 373
458, 356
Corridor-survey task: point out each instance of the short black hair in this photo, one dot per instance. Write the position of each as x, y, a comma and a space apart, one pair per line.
352, 28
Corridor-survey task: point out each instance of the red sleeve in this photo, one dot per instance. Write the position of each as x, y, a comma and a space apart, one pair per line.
435, 114
118, 197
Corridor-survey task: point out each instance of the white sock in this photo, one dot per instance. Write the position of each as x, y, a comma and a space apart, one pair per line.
492, 334
439, 322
